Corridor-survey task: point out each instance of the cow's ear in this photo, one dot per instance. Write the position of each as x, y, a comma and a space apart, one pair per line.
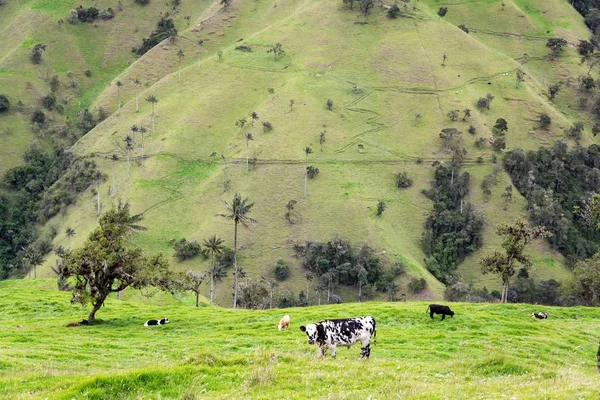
320, 331
303, 328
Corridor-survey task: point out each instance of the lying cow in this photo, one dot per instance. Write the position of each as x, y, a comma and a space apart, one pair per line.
439, 309
152, 322
539, 315
328, 334
284, 323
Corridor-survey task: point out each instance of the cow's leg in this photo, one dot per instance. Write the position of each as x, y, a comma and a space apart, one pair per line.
431, 314
332, 348
365, 349
443, 316
323, 348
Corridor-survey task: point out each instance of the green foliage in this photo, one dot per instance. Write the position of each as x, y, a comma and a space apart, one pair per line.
37, 52
556, 45
142, 2
454, 229
48, 102
403, 181
442, 11
545, 120
312, 171
38, 116
4, 103
165, 28
253, 294
588, 83
585, 48
393, 12
277, 51
554, 181
381, 206
185, 249
416, 286
586, 280
483, 103
553, 89
281, 270
463, 28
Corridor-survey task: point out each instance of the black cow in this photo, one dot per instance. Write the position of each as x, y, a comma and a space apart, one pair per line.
539, 315
152, 322
439, 309
330, 333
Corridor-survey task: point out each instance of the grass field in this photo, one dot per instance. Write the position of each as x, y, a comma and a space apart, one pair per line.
485, 352
380, 76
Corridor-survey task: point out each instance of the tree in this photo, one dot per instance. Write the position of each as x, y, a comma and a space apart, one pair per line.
442, 11
180, 56
351, 2
545, 120
281, 270
393, 11
585, 48
69, 233
309, 277
590, 211
134, 129
37, 52
107, 264
248, 136
467, 114
98, 177
236, 211
4, 103
588, 83
119, 84
516, 237
189, 281
556, 45
114, 158
225, 3
507, 196
444, 58
216, 273
291, 105
453, 115
381, 206
307, 151
322, 139
277, 51
152, 100
32, 257
213, 246
451, 139
403, 180
137, 84
553, 89
586, 280
520, 76
329, 104
142, 130
366, 6
128, 146
254, 117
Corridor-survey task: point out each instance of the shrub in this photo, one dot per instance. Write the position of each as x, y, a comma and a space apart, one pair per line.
417, 285
312, 171
244, 49
142, 2
267, 126
4, 103
281, 270
286, 300
472, 130
38, 116
403, 180
48, 101
185, 249
545, 120
381, 206
480, 142
393, 11
165, 28
464, 28
106, 14
36, 53
575, 131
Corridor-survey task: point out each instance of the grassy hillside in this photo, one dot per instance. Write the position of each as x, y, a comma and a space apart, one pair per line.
380, 76
486, 351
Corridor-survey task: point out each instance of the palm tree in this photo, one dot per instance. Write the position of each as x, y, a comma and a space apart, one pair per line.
180, 55
69, 232
236, 211
98, 179
216, 273
119, 84
309, 277
114, 158
213, 246
33, 258
137, 83
142, 131
307, 151
248, 136
152, 100
134, 129
128, 146
254, 116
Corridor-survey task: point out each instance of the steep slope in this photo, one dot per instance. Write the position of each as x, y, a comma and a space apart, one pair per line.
390, 96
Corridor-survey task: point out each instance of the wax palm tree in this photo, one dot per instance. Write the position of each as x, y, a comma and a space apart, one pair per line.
180, 55
142, 131
98, 177
128, 146
307, 151
152, 100
309, 277
213, 246
248, 136
137, 83
254, 117
236, 211
119, 84
216, 273
69, 232
134, 129
114, 158
33, 258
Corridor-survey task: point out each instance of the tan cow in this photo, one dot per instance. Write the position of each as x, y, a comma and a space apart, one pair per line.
284, 323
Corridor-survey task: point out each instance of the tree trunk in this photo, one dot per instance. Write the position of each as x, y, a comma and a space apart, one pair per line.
34, 271
197, 297
153, 118
212, 281
98, 193
128, 163
92, 315
307, 300
114, 189
142, 146
247, 155
235, 266
271, 300
137, 102
319, 298
328, 292
359, 290
305, 175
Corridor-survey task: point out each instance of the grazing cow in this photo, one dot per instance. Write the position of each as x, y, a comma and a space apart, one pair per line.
539, 315
151, 322
330, 333
284, 323
439, 309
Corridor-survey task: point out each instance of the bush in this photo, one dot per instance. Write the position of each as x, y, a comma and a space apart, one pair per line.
185, 249
480, 142
381, 206
165, 28
36, 53
4, 103
545, 120
267, 126
286, 300
142, 2
393, 11
464, 28
38, 116
403, 181
417, 285
281, 270
48, 101
312, 171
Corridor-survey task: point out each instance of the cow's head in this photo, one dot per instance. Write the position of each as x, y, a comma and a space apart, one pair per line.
452, 313
313, 332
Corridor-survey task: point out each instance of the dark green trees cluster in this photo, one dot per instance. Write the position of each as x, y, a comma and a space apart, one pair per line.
454, 229
165, 28
554, 181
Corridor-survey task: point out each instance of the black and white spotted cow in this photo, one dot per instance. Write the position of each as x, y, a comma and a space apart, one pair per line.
330, 333
539, 315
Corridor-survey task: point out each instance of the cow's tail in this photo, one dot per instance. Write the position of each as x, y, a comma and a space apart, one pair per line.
427, 310
375, 333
